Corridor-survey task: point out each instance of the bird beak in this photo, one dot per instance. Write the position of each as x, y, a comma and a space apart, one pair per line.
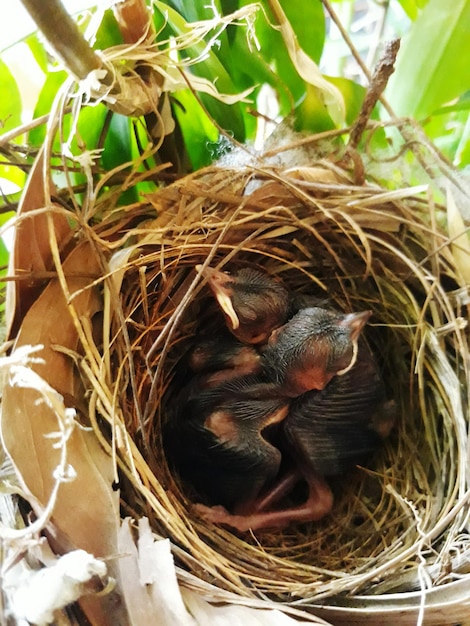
356, 322
218, 282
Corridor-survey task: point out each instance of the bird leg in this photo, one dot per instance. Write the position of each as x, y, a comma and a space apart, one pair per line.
317, 505
280, 490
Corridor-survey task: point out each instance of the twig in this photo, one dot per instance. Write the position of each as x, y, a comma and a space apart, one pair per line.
378, 82
63, 36
408, 136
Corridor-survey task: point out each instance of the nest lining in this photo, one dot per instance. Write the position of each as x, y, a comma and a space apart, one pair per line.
363, 247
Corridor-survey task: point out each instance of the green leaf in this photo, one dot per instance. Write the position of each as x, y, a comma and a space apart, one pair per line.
353, 95
432, 66
10, 102
38, 51
228, 116
108, 33
411, 7
90, 125
308, 21
197, 129
11, 178
118, 149
3, 258
311, 114
53, 82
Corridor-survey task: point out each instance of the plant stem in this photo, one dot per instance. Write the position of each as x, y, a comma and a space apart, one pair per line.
63, 36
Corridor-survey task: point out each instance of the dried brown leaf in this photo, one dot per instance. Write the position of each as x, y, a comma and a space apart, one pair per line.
31, 256
86, 511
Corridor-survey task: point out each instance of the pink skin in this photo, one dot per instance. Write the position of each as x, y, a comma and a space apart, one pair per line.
317, 505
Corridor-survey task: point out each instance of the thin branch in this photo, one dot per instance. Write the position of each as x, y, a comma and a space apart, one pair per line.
409, 137
378, 82
63, 36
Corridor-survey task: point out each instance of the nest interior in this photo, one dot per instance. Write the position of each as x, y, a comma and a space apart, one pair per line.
362, 247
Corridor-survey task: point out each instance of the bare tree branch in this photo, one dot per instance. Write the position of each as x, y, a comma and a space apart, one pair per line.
63, 36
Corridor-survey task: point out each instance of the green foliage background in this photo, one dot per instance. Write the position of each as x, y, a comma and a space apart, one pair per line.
431, 83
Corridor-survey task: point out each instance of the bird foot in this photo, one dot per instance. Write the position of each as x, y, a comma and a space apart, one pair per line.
318, 504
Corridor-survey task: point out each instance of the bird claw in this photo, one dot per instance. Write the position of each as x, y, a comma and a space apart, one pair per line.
242, 523
214, 514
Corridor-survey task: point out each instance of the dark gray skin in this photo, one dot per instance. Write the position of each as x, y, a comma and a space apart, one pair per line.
311, 348
330, 431
222, 357
218, 442
253, 303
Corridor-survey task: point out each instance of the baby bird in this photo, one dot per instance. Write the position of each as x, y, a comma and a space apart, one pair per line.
332, 430
326, 433
219, 358
253, 303
311, 348
219, 440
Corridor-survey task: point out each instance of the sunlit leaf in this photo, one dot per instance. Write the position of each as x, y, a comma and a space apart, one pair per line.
38, 51
311, 114
3, 258
410, 8
53, 82
108, 33
353, 95
432, 66
11, 178
10, 102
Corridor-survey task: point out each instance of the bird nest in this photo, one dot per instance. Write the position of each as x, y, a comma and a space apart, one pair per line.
398, 524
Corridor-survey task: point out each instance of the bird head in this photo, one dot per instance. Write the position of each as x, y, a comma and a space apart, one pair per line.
313, 347
253, 303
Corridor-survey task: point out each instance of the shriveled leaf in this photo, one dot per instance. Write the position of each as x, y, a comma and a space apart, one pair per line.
86, 509
308, 69
444, 604
31, 256
148, 579
230, 614
432, 66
